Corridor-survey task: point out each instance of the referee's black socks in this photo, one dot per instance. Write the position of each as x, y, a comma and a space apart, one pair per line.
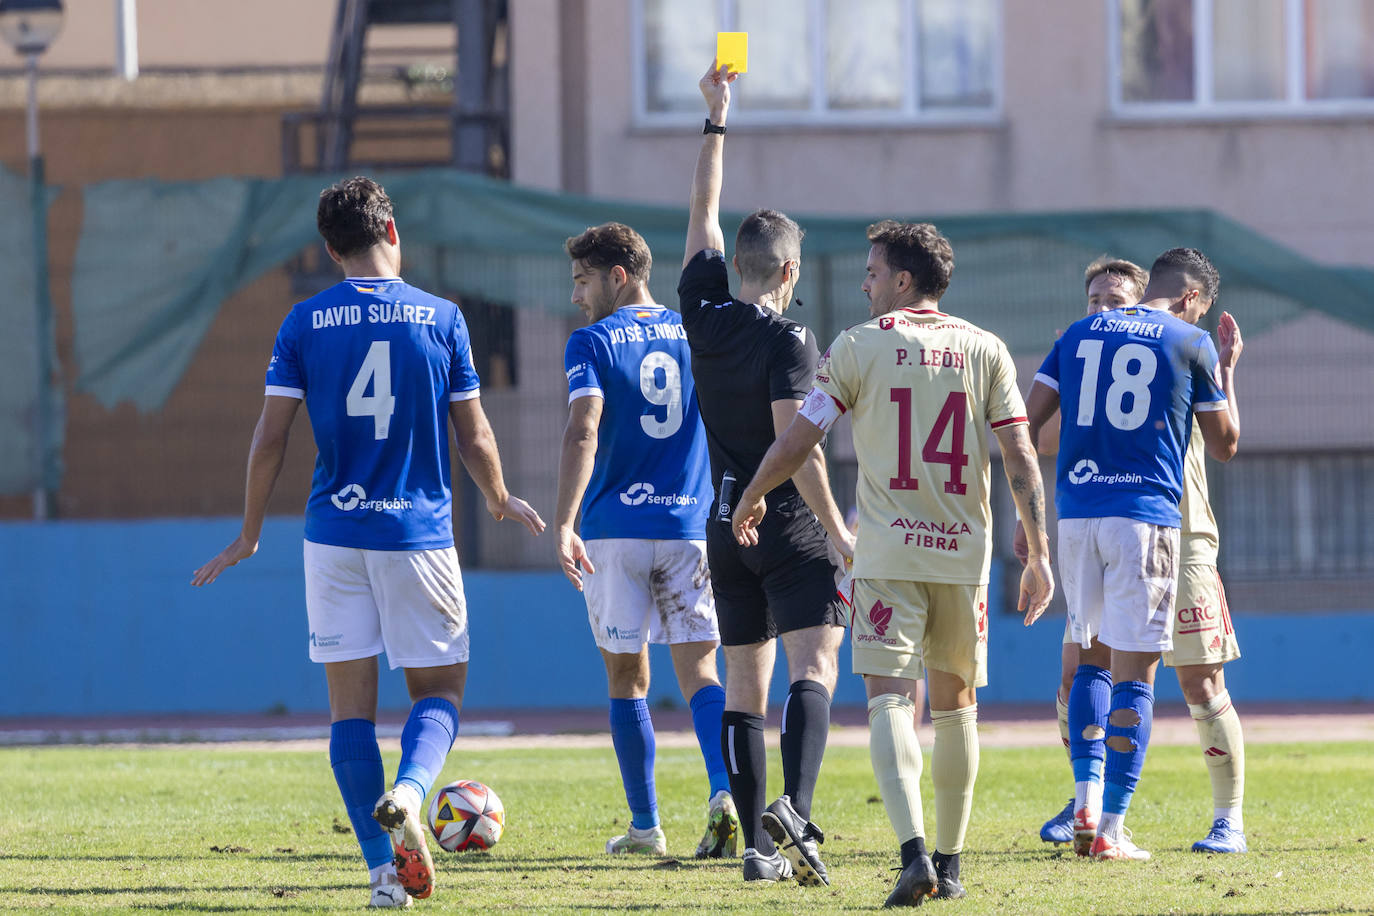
805, 728
741, 741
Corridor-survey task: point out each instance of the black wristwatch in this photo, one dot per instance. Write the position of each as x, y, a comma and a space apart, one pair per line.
709, 128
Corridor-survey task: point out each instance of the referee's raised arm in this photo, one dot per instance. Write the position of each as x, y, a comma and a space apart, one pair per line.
703, 224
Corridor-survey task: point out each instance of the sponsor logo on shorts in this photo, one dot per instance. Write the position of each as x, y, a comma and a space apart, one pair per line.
352, 496
982, 621
325, 642
618, 633
643, 494
1086, 471
1196, 619
879, 617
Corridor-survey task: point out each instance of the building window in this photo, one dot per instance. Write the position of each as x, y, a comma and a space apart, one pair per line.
825, 61
1242, 56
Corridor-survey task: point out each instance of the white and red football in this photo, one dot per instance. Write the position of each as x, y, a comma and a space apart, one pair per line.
466, 815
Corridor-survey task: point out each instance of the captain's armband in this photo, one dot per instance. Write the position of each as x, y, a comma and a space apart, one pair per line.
821, 409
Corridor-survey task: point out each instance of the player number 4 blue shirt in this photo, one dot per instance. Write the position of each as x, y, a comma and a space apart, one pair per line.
651, 478
1129, 380
377, 362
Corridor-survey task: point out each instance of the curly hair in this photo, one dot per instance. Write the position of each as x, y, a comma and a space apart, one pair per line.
920, 250
352, 215
612, 245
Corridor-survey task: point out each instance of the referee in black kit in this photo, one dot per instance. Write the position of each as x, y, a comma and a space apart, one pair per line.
753, 368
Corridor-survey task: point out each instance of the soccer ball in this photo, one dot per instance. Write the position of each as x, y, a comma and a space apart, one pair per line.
466, 815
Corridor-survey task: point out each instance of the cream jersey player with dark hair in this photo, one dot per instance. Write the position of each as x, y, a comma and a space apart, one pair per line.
921, 388
1131, 379
634, 461
753, 366
1204, 639
383, 369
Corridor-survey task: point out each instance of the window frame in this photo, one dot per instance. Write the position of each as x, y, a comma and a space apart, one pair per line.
1294, 105
818, 115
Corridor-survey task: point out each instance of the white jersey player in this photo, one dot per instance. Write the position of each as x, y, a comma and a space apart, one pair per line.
921, 388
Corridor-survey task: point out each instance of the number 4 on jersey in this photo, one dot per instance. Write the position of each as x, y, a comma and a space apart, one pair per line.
381, 404
952, 417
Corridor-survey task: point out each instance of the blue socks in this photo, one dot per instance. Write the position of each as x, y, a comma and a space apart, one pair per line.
632, 733
708, 704
357, 763
1123, 767
1089, 703
425, 742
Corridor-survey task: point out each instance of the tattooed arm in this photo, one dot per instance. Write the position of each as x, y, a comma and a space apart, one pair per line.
1023, 474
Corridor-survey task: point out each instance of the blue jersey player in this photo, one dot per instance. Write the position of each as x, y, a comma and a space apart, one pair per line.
634, 459
1128, 382
383, 368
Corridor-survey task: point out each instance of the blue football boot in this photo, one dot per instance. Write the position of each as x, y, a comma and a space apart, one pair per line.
1059, 829
1222, 838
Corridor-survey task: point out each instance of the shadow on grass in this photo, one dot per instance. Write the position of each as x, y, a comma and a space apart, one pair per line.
183, 889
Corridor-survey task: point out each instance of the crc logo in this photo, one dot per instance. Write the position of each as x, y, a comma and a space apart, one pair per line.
880, 616
636, 494
1196, 614
349, 497
1083, 471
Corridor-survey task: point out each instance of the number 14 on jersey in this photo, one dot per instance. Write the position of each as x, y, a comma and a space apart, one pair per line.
953, 418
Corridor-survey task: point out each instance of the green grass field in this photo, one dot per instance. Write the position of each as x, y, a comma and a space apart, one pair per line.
230, 830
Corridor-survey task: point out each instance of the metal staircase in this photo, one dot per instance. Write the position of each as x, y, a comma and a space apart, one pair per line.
451, 113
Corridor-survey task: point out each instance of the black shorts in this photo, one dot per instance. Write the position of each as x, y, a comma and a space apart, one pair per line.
786, 582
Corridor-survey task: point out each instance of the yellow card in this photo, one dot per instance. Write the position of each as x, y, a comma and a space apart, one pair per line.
733, 48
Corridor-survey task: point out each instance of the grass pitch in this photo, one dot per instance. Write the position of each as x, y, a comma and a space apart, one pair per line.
234, 830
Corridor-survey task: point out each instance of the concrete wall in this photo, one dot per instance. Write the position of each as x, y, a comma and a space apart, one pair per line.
100, 618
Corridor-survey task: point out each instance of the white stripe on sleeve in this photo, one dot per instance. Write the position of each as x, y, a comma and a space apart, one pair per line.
586, 393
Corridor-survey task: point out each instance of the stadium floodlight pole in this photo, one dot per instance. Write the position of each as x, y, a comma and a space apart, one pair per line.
30, 27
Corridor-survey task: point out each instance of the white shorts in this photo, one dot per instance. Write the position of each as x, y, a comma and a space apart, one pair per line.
407, 602
648, 591
1119, 577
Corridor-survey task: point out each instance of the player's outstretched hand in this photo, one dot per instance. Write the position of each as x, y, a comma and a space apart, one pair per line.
517, 510
572, 556
238, 549
1020, 548
715, 86
1228, 332
746, 522
1037, 588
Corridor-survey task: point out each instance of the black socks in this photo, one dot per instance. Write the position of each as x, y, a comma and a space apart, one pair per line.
805, 728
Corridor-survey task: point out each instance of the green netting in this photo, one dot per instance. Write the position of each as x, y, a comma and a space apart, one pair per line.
20, 348
143, 300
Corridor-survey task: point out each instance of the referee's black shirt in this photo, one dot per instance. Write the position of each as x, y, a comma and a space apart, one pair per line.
744, 357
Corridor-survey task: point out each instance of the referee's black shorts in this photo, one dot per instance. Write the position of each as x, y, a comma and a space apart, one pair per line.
786, 582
